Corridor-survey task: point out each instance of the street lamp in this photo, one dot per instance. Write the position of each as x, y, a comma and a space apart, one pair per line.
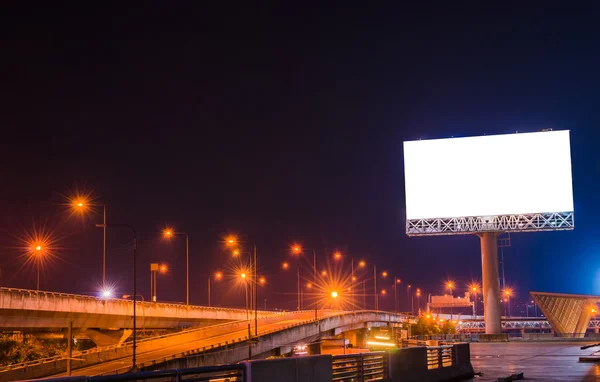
334, 294
397, 281
82, 204
450, 287
39, 253
233, 241
133, 360
507, 293
474, 289
418, 294
363, 264
408, 295
169, 233
244, 278
297, 248
218, 277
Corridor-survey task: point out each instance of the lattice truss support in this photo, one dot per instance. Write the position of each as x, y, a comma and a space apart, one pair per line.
516, 324
502, 223
568, 314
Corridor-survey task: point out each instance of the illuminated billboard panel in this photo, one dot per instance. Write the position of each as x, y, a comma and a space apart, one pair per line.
513, 182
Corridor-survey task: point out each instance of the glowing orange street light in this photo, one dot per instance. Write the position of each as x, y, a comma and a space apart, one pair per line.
38, 248
309, 285
164, 268
296, 249
236, 252
324, 273
353, 278
383, 292
337, 255
398, 281
230, 240
362, 263
428, 316
262, 280
243, 276
593, 310
334, 294
285, 265
218, 275
384, 274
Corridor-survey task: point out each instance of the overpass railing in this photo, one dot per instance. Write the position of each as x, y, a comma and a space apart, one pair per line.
360, 367
440, 356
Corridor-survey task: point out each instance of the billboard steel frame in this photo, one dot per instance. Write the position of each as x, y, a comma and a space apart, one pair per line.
553, 221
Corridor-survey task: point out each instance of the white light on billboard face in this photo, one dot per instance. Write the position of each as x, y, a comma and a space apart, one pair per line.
488, 176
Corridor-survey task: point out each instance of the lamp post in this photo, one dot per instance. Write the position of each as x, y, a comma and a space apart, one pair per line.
363, 264
507, 294
396, 282
450, 286
39, 252
297, 249
232, 241
168, 233
218, 276
133, 359
474, 289
82, 204
418, 300
408, 287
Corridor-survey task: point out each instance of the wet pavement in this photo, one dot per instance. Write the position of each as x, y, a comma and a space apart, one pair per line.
539, 361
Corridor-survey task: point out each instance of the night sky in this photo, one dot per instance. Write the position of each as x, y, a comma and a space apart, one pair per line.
281, 124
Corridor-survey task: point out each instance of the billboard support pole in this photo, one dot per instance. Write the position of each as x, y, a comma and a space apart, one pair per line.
491, 284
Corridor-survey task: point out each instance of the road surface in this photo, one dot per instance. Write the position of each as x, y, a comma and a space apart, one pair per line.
218, 337
539, 361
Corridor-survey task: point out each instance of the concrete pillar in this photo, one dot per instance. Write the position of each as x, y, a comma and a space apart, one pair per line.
491, 285
69, 347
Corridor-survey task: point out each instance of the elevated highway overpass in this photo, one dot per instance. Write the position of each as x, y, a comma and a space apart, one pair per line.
218, 344
26, 310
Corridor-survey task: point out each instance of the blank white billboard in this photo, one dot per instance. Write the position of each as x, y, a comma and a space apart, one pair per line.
488, 175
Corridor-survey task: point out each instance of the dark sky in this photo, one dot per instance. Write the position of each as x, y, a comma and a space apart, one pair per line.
281, 123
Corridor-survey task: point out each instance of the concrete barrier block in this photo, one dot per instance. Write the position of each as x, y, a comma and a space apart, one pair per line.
316, 368
408, 364
493, 337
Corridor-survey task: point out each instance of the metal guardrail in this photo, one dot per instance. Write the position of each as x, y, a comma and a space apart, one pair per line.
440, 356
360, 367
